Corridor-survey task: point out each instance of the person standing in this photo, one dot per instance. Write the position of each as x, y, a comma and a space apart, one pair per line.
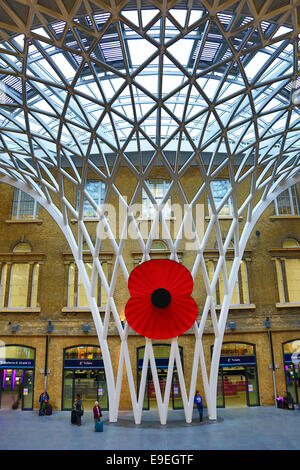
78, 409
198, 401
44, 398
97, 413
289, 401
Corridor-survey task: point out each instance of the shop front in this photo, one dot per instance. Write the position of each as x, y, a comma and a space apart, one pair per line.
17, 365
161, 353
291, 353
83, 374
237, 380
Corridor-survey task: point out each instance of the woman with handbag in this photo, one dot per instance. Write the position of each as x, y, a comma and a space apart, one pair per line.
79, 409
97, 413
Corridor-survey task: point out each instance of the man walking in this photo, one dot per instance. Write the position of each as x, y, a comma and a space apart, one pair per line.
199, 403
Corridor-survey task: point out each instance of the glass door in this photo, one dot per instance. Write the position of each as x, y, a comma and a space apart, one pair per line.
162, 379
150, 395
27, 389
235, 386
292, 377
85, 383
220, 390
68, 398
91, 386
102, 389
252, 386
176, 392
146, 395
12, 388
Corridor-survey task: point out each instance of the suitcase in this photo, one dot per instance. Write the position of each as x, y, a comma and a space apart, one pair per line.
48, 410
73, 417
99, 426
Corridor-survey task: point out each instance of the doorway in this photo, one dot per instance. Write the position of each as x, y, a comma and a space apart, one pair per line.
237, 386
291, 352
162, 354
91, 386
16, 386
150, 401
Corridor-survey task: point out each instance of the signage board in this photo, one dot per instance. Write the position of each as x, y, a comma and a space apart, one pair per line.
12, 363
83, 364
237, 360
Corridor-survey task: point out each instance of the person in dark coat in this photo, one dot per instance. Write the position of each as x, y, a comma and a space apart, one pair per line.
198, 401
78, 408
289, 401
97, 413
44, 399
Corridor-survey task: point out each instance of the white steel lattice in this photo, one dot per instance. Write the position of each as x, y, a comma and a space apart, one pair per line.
96, 87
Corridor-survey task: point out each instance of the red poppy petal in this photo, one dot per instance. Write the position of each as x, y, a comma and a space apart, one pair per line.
160, 273
180, 280
185, 310
157, 323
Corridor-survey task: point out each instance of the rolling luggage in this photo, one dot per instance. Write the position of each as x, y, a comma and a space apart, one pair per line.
99, 426
73, 417
48, 409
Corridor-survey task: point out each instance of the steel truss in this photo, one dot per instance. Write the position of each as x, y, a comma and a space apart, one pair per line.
75, 103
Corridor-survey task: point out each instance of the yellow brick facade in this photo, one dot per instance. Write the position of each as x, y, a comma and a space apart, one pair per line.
47, 240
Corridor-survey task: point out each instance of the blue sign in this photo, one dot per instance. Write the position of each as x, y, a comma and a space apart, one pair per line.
83, 364
292, 358
237, 360
11, 363
162, 362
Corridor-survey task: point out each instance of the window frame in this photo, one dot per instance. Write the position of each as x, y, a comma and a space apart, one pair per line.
99, 202
228, 206
242, 285
293, 202
147, 206
75, 285
17, 205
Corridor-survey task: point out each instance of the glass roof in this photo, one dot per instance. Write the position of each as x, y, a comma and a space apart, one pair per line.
177, 82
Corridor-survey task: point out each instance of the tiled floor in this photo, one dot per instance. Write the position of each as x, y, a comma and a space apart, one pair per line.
260, 428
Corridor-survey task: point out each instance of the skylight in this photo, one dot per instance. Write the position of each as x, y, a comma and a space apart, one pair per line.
132, 77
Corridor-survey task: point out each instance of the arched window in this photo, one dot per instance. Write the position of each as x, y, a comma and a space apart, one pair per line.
158, 245
290, 243
22, 247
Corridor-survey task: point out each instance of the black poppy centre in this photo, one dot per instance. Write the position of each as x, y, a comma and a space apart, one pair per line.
160, 298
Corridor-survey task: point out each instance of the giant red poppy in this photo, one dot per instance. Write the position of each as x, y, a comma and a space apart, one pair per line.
161, 305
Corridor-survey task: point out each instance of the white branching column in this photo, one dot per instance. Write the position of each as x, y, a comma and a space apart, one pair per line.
90, 91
